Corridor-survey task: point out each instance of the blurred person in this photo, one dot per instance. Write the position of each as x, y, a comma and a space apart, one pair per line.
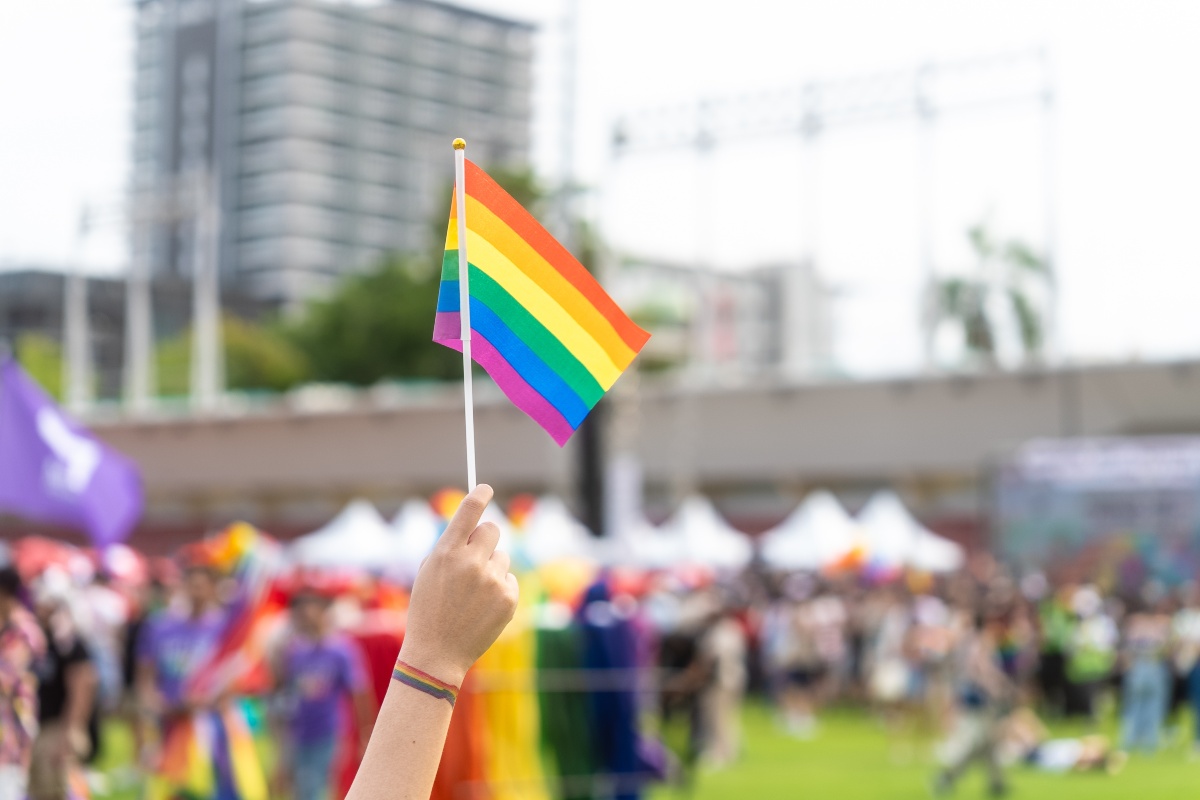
687, 672
193, 745
318, 674
21, 645
930, 644
724, 647
830, 622
1057, 625
985, 696
1185, 635
1026, 740
149, 602
890, 672
1092, 652
67, 688
1146, 684
799, 662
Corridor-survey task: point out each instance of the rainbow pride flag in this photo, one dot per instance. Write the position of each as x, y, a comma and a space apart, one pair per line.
541, 326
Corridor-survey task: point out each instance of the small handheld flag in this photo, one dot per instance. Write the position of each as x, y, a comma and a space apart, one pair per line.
540, 325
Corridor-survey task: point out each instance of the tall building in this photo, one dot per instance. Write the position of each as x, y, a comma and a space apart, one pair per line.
320, 129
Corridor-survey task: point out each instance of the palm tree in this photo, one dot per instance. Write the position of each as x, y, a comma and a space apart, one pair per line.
1008, 280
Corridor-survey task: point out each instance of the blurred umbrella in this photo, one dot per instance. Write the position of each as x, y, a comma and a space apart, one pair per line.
520, 507
816, 535
33, 555
445, 501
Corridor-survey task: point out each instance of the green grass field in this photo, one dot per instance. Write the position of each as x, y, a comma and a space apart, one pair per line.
853, 758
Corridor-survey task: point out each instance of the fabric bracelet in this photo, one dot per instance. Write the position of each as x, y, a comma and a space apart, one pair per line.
424, 682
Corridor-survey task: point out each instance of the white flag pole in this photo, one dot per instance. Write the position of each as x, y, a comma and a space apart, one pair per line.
464, 302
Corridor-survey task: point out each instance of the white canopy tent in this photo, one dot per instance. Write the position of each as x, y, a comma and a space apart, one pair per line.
357, 538
551, 533
415, 529
639, 543
895, 538
816, 534
704, 538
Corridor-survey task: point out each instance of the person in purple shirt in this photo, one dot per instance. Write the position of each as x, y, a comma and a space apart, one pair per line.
174, 646
319, 674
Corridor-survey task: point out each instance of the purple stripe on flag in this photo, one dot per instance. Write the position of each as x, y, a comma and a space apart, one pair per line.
523, 396
447, 327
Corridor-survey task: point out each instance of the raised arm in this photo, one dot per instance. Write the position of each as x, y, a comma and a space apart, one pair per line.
463, 597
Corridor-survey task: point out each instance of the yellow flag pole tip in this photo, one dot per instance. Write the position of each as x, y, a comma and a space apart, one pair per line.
460, 144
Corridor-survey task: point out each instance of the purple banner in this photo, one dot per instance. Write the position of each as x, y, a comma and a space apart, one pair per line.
54, 471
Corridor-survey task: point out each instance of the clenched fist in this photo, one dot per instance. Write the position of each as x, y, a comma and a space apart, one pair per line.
463, 596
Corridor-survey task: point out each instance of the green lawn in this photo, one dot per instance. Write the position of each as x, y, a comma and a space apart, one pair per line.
852, 758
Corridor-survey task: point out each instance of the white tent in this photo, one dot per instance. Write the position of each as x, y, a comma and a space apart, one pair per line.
705, 538
895, 538
415, 530
816, 534
551, 534
638, 543
358, 537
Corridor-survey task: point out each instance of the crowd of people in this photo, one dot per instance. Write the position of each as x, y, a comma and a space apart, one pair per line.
976, 660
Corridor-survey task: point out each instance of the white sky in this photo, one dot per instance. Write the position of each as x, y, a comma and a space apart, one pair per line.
1126, 152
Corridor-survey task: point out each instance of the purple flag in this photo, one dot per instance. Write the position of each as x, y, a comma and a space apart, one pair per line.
53, 470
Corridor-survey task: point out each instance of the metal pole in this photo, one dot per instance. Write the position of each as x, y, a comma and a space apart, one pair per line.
796, 350
76, 335
206, 311
1053, 344
138, 330
925, 190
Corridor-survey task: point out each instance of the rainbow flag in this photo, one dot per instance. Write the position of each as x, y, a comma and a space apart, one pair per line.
543, 328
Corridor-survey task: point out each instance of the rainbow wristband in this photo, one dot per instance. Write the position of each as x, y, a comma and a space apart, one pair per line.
424, 682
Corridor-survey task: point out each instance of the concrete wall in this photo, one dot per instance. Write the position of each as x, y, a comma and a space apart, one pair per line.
756, 449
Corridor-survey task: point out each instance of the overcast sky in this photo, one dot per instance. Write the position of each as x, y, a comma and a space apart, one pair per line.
1125, 168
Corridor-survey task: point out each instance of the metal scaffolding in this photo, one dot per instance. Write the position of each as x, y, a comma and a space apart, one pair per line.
924, 94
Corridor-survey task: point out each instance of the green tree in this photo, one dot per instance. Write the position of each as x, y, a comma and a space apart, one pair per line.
257, 358
42, 358
1007, 279
377, 325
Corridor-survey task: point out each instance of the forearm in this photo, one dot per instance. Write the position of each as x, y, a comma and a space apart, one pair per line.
406, 747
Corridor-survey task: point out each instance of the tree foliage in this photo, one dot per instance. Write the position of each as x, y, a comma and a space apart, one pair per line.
42, 358
377, 325
1005, 286
257, 358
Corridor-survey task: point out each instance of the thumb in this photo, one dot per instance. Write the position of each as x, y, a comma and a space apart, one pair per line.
466, 518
